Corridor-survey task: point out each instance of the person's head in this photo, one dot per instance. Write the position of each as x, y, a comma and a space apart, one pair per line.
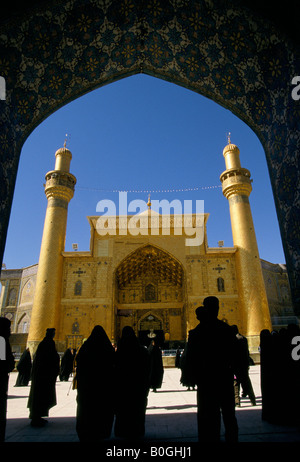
50, 333
128, 332
201, 313
128, 340
4, 327
235, 329
212, 305
98, 334
98, 331
98, 338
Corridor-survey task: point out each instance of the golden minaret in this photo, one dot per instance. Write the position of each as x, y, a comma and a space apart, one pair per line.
237, 186
59, 190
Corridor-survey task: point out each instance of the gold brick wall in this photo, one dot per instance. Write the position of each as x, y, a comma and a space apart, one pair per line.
90, 294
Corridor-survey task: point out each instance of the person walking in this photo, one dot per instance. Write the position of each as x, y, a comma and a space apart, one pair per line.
156, 366
45, 369
185, 380
95, 363
66, 365
241, 366
7, 364
24, 367
132, 385
210, 355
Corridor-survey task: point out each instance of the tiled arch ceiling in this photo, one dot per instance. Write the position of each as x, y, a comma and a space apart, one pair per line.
152, 262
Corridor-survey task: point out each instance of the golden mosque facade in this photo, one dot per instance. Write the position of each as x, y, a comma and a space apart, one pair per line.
150, 279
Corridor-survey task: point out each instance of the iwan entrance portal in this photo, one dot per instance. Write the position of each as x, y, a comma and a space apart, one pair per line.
150, 296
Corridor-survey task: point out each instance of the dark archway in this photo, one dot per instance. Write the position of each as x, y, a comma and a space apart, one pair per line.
57, 51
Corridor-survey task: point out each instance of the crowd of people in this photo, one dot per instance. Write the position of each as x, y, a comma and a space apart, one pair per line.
113, 382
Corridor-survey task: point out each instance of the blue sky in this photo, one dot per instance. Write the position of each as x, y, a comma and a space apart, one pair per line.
139, 133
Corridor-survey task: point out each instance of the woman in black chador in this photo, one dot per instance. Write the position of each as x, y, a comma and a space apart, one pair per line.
45, 369
156, 366
66, 365
7, 364
132, 385
95, 380
24, 369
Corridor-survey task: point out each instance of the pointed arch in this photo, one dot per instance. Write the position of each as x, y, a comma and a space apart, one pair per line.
149, 257
53, 53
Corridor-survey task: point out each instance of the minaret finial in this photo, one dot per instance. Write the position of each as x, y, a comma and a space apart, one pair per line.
66, 140
149, 202
228, 137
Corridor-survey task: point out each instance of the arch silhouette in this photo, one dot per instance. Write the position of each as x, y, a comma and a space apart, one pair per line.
54, 53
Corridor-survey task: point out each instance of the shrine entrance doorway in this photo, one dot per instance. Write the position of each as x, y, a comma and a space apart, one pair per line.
151, 328
150, 296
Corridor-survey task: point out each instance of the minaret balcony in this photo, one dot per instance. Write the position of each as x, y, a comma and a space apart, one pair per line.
60, 185
236, 181
57, 178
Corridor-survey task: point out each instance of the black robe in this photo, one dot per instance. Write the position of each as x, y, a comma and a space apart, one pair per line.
66, 365
45, 369
132, 386
209, 364
156, 367
6, 366
94, 383
24, 368
185, 378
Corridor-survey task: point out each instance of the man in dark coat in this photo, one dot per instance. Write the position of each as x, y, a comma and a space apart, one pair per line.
45, 369
24, 368
210, 356
156, 366
7, 364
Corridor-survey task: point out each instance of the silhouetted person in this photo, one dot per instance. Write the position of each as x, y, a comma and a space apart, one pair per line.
280, 377
178, 358
7, 364
268, 374
95, 381
132, 385
45, 369
185, 379
210, 364
24, 368
156, 366
293, 383
66, 365
241, 365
